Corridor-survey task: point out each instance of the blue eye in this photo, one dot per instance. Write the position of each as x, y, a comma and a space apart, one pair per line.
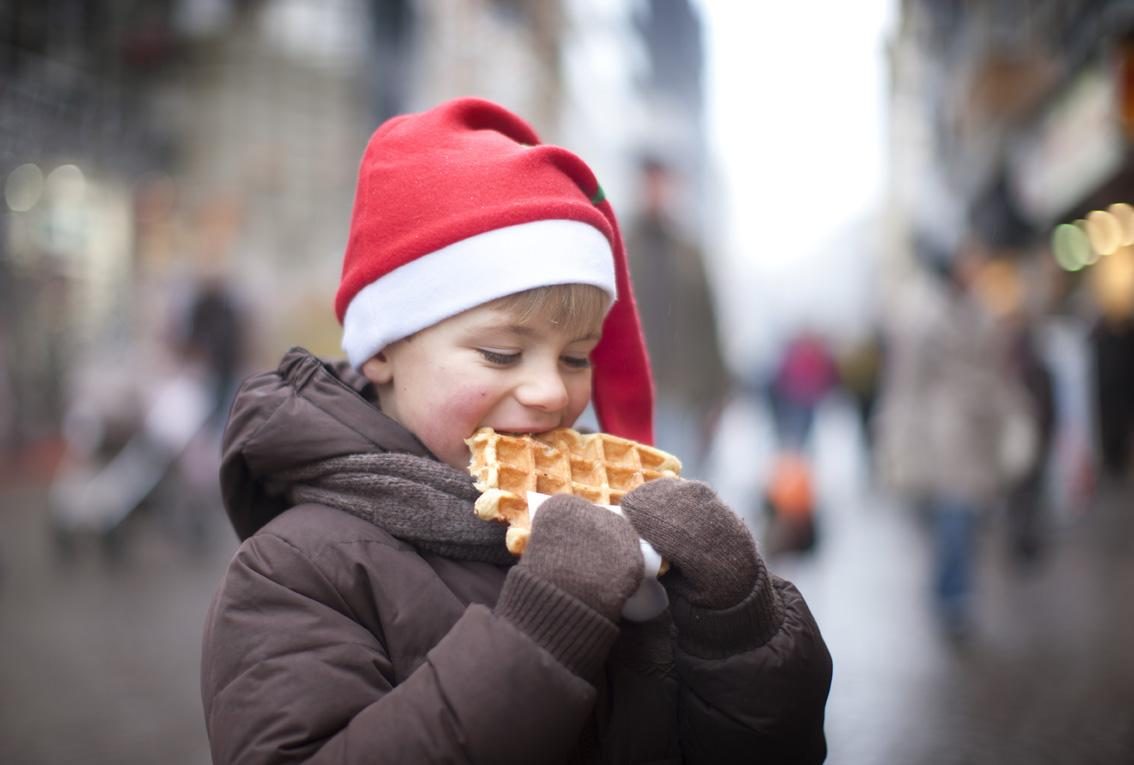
576, 362
501, 359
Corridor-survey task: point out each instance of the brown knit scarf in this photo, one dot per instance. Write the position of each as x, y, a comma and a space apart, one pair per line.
415, 499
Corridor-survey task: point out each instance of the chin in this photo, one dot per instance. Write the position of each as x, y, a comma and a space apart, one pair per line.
460, 462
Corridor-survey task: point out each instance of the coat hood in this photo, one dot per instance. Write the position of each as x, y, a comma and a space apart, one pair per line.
303, 411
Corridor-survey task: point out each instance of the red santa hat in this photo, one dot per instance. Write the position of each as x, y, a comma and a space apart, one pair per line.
462, 204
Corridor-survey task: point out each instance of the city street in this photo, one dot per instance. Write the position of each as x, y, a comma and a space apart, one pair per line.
100, 656
918, 207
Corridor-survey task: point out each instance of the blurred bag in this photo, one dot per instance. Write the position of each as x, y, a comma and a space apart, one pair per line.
789, 504
1018, 445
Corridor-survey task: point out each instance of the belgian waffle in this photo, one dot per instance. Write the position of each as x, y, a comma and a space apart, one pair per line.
598, 467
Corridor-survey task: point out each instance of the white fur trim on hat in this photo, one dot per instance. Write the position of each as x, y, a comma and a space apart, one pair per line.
471, 272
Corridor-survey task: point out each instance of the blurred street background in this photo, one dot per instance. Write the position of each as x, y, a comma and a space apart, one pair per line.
884, 253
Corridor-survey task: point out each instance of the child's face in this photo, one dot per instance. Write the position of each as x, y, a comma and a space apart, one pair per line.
483, 368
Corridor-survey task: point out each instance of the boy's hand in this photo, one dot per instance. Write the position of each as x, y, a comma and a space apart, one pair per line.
586, 551
713, 558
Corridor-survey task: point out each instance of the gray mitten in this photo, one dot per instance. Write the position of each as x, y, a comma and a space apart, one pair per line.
714, 559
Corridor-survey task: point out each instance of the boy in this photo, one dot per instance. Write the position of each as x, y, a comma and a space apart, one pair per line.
369, 616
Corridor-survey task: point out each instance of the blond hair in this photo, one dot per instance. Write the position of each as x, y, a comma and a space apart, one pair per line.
578, 308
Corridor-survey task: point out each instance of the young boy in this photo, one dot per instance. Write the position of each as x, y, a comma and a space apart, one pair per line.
369, 616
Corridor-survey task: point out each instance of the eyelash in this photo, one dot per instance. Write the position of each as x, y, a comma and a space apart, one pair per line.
576, 362
504, 359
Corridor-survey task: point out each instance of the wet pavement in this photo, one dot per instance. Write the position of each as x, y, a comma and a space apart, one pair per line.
101, 647
100, 653
1046, 674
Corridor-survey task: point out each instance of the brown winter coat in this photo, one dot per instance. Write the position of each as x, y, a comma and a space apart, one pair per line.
330, 640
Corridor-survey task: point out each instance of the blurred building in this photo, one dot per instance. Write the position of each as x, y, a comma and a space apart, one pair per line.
610, 80
73, 126
145, 146
1009, 116
1012, 122
673, 94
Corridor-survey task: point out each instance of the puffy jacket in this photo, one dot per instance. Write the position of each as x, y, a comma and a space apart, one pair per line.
330, 640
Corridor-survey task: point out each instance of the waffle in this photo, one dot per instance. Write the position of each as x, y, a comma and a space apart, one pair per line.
599, 467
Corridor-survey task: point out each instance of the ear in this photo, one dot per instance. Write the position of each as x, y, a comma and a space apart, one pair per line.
378, 369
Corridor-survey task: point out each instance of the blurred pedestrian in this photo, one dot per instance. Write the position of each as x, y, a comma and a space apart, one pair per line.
860, 374
805, 376
370, 615
1112, 341
679, 320
1027, 497
957, 430
214, 337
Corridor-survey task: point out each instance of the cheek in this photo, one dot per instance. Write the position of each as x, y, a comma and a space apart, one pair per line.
453, 419
465, 407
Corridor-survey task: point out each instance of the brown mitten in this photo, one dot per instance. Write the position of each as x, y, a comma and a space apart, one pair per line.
721, 595
586, 551
713, 556
567, 592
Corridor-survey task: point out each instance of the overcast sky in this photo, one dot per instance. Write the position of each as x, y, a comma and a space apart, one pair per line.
796, 118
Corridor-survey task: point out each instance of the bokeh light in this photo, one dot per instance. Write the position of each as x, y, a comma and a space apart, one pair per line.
1070, 246
1104, 231
1124, 214
1093, 255
66, 182
23, 188
1113, 283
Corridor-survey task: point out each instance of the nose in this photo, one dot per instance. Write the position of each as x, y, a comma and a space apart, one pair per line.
543, 389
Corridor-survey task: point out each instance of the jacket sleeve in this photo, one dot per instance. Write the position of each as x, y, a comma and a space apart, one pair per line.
758, 695
289, 674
